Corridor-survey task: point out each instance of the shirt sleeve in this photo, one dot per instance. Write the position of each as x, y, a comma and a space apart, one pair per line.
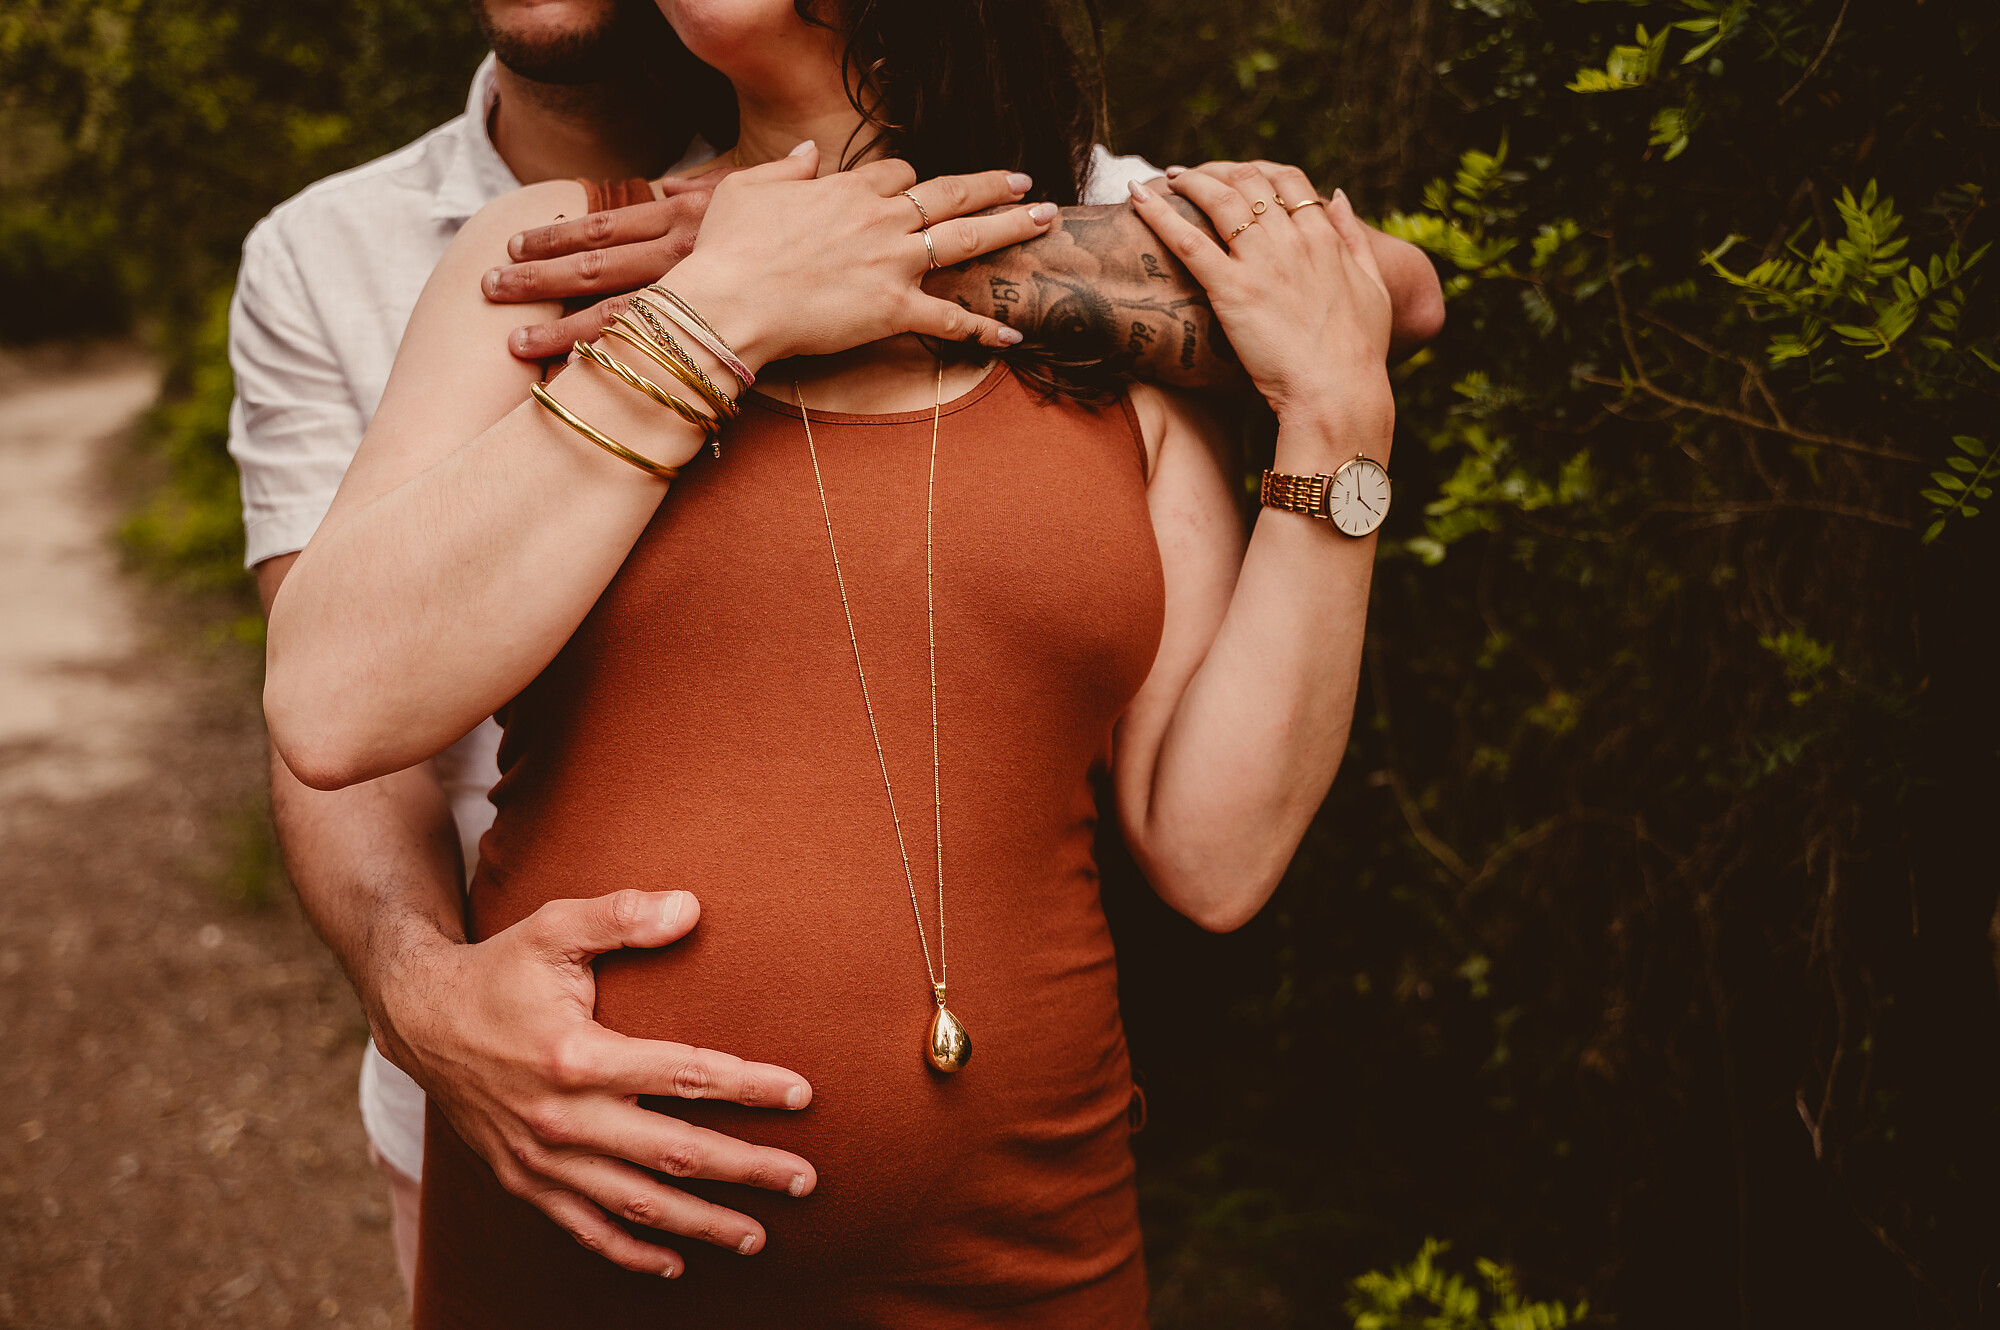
294, 426
1111, 176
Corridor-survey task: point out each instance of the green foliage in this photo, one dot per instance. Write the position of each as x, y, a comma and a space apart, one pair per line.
1644, 936
191, 527
1975, 464
182, 121
1616, 947
1422, 1295
140, 141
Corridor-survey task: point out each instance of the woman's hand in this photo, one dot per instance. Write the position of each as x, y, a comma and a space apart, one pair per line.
789, 265
1295, 286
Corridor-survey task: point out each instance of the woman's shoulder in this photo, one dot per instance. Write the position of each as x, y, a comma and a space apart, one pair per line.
531, 205
1164, 414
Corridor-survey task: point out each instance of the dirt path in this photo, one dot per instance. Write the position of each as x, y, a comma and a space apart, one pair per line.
178, 1141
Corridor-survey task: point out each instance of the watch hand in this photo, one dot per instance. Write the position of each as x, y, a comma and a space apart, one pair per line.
1364, 503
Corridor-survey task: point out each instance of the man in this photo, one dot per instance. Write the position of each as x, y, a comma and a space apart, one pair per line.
574, 87
500, 1032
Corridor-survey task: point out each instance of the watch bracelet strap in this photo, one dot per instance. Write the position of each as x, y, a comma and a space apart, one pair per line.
1295, 494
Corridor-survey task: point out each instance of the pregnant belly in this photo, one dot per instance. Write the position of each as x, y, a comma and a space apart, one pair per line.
1012, 1176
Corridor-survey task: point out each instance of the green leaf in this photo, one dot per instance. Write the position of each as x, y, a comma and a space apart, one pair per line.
1965, 464
1938, 497
1933, 531
1970, 444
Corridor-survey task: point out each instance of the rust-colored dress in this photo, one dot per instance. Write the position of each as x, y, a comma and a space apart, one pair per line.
704, 729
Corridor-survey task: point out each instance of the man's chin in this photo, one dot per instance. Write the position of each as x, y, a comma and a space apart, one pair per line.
565, 44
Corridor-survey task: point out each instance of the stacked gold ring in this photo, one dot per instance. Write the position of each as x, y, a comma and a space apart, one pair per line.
923, 216
1240, 230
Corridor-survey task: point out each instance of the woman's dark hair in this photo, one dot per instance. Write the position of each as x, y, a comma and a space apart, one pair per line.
954, 86
950, 86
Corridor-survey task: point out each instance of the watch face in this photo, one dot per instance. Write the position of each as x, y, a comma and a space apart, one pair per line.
1358, 498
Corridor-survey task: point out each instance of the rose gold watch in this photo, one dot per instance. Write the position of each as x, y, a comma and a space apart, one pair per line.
1354, 499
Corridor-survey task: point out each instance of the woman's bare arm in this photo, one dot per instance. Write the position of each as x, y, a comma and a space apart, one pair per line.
474, 530
1236, 735
465, 518
1232, 742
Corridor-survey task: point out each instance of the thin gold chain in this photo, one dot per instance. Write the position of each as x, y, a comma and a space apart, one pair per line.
940, 975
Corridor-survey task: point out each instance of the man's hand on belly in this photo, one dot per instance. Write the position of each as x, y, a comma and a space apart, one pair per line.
501, 1034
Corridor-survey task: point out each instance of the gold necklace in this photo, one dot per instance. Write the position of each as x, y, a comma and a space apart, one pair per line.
948, 1047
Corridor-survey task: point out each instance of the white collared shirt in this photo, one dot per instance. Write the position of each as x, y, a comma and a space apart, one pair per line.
324, 293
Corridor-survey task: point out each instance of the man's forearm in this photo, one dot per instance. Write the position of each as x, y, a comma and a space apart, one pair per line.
376, 867
1101, 289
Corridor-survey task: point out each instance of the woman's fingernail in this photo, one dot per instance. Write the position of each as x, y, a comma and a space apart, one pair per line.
1173, 171
1140, 194
796, 1097
490, 281
517, 341
1042, 214
798, 1187
801, 150
1340, 197
1020, 181
671, 1272
748, 1245
1009, 336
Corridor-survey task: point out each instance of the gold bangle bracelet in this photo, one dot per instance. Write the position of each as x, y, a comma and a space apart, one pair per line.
610, 445
711, 430
721, 401
624, 371
675, 360
633, 378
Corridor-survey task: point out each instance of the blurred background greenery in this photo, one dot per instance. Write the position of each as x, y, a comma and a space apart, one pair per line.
1648, 944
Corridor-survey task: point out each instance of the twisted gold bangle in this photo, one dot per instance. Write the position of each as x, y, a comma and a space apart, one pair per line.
711, 429
657, 470
706, 424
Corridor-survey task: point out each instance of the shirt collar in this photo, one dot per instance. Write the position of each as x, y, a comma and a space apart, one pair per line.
474, 175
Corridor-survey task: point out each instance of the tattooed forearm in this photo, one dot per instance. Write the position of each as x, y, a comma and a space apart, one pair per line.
1100, 290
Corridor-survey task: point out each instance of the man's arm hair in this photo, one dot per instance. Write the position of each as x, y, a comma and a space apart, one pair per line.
376, 866
1101, 289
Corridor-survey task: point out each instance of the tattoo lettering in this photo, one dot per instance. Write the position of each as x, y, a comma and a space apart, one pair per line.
1098, 300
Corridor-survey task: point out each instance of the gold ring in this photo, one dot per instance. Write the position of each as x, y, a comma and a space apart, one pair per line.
1309, 203
1240, 230
923, 215
930, 249
1257, 208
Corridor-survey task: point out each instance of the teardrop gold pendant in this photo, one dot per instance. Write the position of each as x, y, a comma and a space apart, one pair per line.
949, 1046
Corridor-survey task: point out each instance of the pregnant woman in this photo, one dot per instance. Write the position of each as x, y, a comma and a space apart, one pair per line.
795, 623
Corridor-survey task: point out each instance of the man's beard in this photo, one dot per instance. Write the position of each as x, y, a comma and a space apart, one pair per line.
596, 54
